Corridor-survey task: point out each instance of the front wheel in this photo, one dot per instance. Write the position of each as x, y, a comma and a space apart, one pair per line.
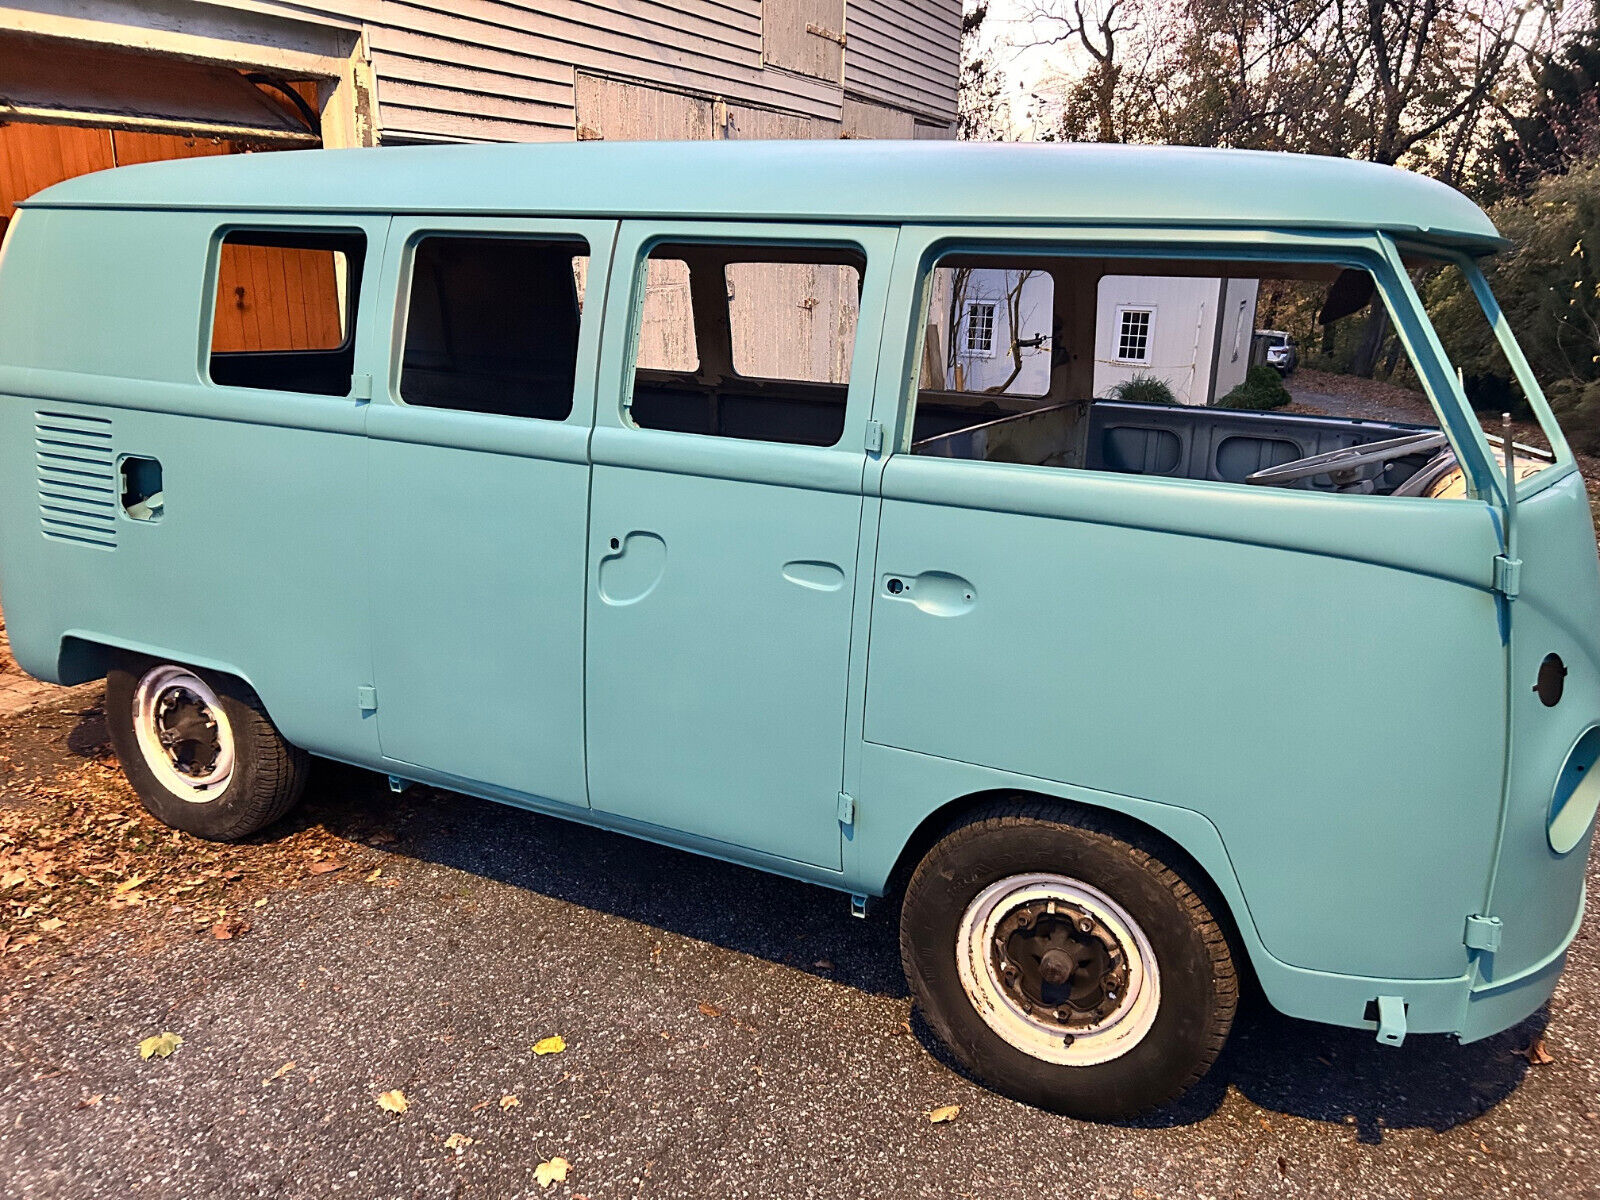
1064, 964
200, 750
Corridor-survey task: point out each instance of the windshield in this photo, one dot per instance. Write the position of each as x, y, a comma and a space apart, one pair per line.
1493, 385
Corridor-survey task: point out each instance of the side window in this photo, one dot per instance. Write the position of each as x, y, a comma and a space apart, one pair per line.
492, 325
285, 310
1190, 369
751, 342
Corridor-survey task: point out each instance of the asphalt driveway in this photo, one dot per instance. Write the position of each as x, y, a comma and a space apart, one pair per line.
726, 1033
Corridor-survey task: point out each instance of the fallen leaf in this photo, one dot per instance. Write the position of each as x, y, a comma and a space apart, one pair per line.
371, 875
324, 868
709, 1010
127, 885
554, 1171
945, 1112
91, 1101
457, 1142
279, 1073
509, 1102
11, 879
225, 930
261, 903
51, 925
160, 1046
554, 1044
394, 1101
1537, 1053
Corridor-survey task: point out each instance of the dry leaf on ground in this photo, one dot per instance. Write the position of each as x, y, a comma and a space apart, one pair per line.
457, 1142
709, 1010
1538, 1054
279, 1073
160, 1046
945, 1112
373, 874
554, 1171
509, 1102
394, 1101
324, 868
554, 1044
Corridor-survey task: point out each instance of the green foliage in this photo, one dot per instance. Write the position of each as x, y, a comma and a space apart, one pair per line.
1577, 407
1262, 388
1548, 285
1561, 126
1144, 389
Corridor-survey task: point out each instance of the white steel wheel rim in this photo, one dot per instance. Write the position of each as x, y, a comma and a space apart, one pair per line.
1109, 1037
158, 691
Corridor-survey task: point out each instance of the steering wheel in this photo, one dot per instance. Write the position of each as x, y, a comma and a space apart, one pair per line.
1345, 466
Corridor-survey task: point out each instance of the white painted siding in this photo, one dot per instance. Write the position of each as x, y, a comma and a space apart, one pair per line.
1182, 335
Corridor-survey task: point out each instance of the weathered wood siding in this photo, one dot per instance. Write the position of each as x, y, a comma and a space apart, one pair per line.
497, 70
905, 54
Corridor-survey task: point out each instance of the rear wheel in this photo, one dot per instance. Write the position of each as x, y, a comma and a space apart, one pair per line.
200, 750
1064, 964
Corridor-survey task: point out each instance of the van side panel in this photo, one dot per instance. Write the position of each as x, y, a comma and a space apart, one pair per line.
1339, 722
254, 564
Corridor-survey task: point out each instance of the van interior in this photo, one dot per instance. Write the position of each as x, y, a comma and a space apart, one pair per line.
1052, 414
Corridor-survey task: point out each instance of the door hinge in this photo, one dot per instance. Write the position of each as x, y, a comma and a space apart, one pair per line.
367, 698
1483, 933
874, 437
847, 809
1507, 576
822, 31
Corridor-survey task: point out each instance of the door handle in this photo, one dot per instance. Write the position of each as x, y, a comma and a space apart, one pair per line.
938, 593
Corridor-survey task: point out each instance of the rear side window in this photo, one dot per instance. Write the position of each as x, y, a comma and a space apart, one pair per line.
748, 341
492, 325
285, 310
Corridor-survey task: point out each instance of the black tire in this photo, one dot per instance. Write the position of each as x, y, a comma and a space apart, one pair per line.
1198, 988
268, 773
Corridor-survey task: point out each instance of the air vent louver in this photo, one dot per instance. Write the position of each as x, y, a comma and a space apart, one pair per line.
77, 478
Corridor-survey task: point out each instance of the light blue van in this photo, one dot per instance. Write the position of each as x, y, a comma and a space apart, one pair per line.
770, 500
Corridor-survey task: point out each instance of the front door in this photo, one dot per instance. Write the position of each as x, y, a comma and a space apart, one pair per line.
725, 521
480, 485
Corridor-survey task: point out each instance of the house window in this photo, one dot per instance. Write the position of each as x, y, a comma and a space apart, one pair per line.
1133, 334
492, 325
285, 308
978, 328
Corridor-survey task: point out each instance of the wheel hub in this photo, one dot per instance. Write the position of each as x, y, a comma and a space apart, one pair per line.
187, 730
1060, 964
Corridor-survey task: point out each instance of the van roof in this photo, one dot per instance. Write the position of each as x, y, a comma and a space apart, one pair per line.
845, 180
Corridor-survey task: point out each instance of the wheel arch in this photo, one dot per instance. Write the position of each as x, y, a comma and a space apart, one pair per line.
1181, 838
83, 657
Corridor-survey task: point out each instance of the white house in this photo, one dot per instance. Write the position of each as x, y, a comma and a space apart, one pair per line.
993, 331
1192, 333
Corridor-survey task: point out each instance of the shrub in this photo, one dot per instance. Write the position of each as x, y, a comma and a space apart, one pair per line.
1577, 406
1262, 388
1144, 389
